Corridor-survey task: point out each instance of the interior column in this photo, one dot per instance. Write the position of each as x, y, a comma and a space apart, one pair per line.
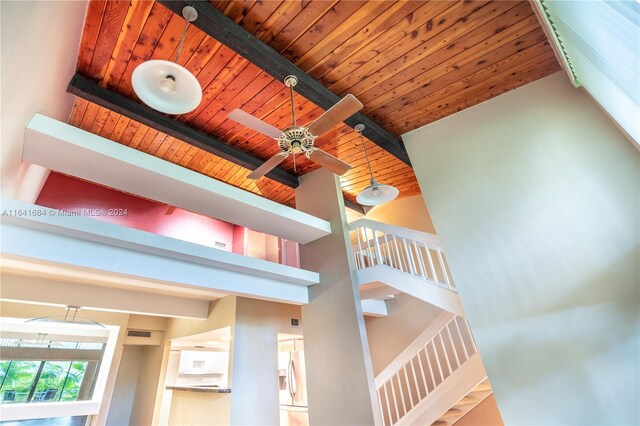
340, 382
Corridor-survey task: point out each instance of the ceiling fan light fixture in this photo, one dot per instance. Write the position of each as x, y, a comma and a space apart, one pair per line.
376, 194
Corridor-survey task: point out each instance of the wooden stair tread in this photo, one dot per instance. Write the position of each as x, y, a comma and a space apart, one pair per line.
453, 412
440, 423
482, 387
467, 400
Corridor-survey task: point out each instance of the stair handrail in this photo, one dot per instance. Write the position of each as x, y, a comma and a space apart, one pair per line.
417, 344
419, 370
407, 250
396, 230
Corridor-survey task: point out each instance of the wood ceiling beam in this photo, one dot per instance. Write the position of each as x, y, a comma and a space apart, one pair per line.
93, 92
218, 26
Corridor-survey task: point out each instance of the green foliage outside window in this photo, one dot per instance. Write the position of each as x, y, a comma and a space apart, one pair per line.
58, 380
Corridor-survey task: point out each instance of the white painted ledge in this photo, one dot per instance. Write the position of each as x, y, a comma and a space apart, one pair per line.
374, 307
441, 297
46, 236
67, 149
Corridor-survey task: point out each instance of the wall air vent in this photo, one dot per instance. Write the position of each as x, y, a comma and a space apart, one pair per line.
220, 245
138, 333
295, 322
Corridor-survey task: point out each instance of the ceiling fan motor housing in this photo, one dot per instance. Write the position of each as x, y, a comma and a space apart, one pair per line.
296, 140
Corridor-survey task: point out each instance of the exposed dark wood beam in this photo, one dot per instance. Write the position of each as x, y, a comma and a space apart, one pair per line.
353, 206
91, 91
214, 23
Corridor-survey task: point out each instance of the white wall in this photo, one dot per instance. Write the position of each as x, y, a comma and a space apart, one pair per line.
39, 50
535, 195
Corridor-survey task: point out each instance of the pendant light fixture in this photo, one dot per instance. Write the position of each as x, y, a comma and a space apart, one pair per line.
70, 317
167, 86
376, 193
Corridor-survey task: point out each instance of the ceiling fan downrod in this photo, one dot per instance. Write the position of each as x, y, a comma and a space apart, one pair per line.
291, 81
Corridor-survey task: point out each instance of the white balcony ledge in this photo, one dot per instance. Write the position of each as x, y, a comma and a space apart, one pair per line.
45, 235
58, 146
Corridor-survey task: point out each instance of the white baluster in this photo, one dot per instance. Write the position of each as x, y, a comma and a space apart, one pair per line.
412, 267
464, 345
423, 271
406, 378
435, 351
380, 406
388, 249
362, 265
386, 398
404, 404
377, 247
431, 265
422, 374
443, 269
415, 379
455, 352
398, 254
395, 400
473, 342
444, 350
433, 376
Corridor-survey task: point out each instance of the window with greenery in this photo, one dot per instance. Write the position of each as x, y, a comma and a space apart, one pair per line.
41, 381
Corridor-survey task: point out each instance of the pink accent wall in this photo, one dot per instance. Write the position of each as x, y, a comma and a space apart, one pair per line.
67, 193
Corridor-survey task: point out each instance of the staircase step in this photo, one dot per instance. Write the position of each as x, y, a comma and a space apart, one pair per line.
440, 423
453, 412
482, 387
467, 400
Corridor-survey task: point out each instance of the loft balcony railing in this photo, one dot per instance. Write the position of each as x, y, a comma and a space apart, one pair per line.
412, 252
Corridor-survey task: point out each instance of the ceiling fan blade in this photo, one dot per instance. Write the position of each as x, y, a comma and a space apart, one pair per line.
330, 162
254, 123
267, 166
344, 109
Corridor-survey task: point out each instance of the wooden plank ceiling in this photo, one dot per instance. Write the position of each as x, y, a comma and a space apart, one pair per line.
409, 62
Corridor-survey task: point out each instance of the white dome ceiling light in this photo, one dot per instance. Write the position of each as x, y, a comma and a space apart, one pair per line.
376, 193
167, 86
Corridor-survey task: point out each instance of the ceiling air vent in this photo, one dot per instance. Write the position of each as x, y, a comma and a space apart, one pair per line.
138, 333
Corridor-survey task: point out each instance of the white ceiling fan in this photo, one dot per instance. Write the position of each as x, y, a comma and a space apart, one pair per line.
299, 139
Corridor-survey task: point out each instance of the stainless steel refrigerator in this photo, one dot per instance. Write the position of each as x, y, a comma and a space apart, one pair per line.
292, 382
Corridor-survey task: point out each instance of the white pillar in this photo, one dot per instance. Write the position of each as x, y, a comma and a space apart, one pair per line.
340, 382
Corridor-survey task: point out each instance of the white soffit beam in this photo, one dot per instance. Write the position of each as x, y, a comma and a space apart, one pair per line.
44, 236
67, 149
39, 291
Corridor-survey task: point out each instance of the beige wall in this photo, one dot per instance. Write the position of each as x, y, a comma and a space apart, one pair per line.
408, 212
200, 409
125, 386
390, 335
536, 196
147, 388
254, 398
484, 414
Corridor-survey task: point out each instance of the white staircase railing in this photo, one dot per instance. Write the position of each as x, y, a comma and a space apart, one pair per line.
413, 252
420, 370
